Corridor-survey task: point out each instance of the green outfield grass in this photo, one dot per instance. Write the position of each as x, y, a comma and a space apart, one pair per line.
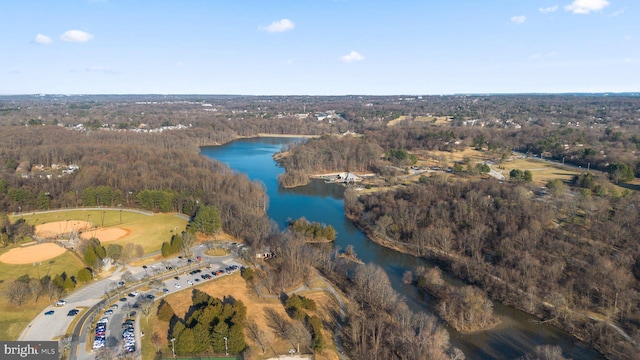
150, 231
147, 230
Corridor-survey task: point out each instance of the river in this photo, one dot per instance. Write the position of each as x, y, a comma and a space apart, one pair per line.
321, 202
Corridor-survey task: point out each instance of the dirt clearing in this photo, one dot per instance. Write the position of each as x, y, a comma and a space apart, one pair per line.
31, 254
105, 234
53, 229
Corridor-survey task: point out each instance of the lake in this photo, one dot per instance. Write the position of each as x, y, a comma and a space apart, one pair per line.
321, 202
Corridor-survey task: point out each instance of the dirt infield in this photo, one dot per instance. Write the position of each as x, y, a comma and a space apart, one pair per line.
56, 228
105, 234
31, 254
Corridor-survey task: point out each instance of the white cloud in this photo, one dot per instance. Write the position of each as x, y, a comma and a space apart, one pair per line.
520, 19
586, 6
43, 39
76, 36
279, 26
178, 64
352, 57
549, 9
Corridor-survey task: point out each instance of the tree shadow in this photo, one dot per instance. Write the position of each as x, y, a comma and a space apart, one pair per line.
632, 187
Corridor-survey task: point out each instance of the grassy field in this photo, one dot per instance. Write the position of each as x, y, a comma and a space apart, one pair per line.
233, 285
216, 252
542, 171
14, 319
148, 231
435, 120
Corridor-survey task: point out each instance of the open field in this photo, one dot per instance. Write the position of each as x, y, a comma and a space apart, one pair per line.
542, 171
435, 120
115, 226
106, 234
13, 319
234, 286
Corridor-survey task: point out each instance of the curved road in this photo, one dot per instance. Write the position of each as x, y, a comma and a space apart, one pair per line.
56, 326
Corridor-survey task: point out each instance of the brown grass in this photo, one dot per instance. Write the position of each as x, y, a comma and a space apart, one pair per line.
542, 171
234, 286
435, 120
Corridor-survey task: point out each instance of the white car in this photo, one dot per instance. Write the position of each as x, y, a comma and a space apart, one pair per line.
60, 302
177, 286
189, 282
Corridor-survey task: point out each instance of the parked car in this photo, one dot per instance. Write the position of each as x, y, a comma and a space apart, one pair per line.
50, 312
113, 307
189, 282
60, 302
73, 312
165, 290
108, 312
177, 286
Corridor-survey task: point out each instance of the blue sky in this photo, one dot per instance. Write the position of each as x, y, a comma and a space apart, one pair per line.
318, 47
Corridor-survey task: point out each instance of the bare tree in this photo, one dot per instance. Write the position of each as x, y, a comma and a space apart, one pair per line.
35, 288
545, 352
188, 239
106, 353
156, 284
139, 251
18, 292
257, 335
127, 252
52, 290
127, 276
156, 340
299, 335
278, 323
146, 307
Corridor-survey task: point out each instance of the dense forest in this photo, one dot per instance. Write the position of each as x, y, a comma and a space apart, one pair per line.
559, 256
158, 172
567, 253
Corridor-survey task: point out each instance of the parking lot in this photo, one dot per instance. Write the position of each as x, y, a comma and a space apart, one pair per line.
118, 326
174, 274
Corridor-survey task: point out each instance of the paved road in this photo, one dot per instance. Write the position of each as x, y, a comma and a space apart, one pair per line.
50, 327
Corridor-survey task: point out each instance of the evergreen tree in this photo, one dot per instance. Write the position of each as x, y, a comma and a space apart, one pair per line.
84, 275
220, 331
185, 342
201, 338
235, 340
207, 220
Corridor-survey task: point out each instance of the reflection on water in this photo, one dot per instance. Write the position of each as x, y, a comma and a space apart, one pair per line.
323, 203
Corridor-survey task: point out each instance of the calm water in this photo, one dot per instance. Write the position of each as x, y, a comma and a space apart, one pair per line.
323, 203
